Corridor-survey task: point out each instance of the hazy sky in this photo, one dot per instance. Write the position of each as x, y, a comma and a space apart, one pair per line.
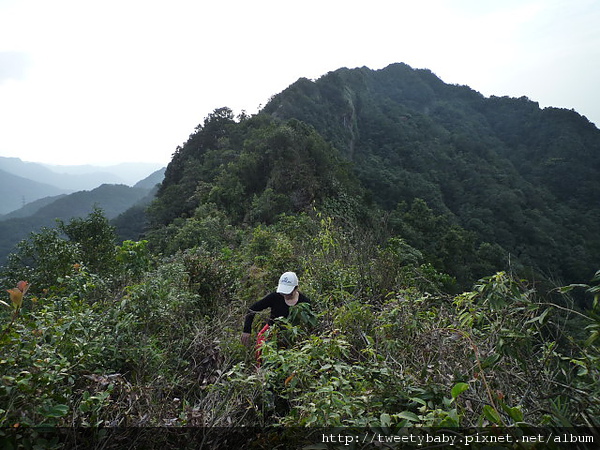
128, 80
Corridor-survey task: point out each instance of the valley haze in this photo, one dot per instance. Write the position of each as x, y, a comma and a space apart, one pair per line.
24, 181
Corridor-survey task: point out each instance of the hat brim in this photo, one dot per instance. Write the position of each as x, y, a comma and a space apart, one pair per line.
285, 289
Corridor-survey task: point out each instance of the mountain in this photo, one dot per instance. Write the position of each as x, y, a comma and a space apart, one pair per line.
413, 120
40, 180
16, 191
151, 180
477, 184
132, 224
112, 199
59, 176
400, 190
252, 170
31, 208
516, 175
126, 173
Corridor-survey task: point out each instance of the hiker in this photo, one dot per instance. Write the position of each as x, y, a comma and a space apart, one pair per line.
280, 302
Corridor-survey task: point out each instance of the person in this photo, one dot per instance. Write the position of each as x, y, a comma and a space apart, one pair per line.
286, 296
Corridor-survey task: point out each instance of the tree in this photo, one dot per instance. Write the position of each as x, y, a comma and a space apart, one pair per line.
95, 239
48, 257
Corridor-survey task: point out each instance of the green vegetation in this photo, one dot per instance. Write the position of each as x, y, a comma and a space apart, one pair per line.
142, 340
113, 199
417, 317
516, 176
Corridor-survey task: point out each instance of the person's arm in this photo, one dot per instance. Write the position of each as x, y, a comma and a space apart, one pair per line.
252, 311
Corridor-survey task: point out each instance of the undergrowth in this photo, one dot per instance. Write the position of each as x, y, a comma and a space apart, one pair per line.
155, 342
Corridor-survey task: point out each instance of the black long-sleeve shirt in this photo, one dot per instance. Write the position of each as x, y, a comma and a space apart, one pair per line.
278, 307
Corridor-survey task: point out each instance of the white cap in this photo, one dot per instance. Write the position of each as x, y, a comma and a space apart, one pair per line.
287, 282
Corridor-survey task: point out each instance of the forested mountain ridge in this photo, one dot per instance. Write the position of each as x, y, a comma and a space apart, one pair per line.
252, 169
477, 184
519, 176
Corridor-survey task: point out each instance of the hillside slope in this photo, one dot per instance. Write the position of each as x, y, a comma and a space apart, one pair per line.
112, 199
31, 208
132, 224
16, 191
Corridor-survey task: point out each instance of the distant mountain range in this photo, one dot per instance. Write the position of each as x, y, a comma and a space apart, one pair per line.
24, 182
55, 202
16, 191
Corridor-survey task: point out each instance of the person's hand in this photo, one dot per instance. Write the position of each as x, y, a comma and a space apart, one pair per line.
245, 339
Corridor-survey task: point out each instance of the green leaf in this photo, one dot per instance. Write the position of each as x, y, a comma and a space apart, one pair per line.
570, 287
57, 411
593, 336
385, 419
582, 371
451, 420
407, 415
84, 407
458, 389
543, 316
492, 415
490, 360
515, 413
418, 400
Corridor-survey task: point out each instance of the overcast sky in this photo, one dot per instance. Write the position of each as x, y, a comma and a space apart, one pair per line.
128, 80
